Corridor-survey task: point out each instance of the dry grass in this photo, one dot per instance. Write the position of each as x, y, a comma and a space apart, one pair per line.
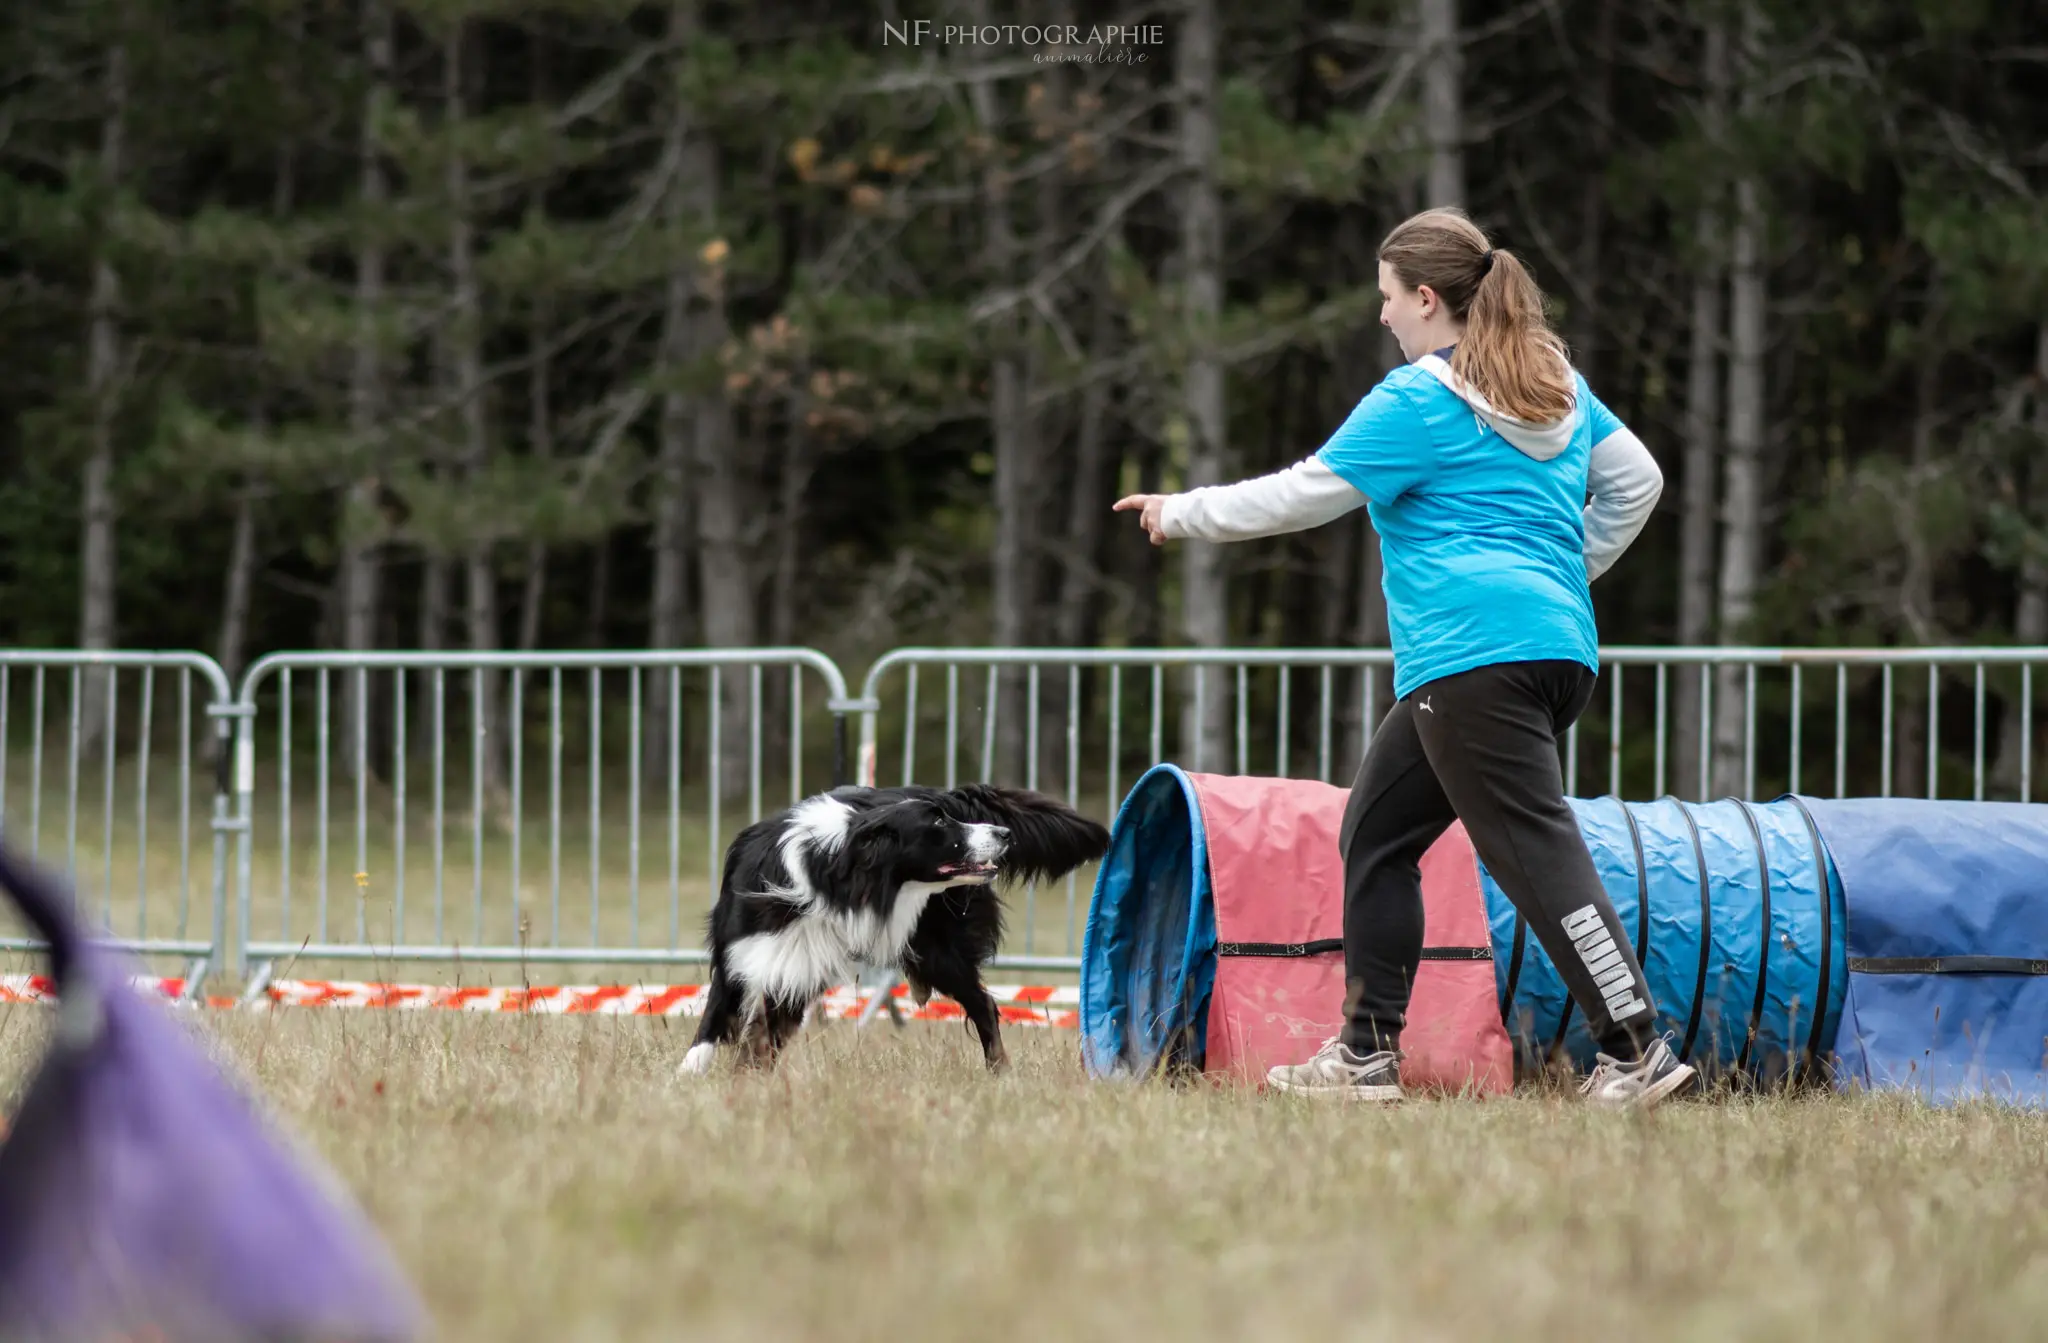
552, 1178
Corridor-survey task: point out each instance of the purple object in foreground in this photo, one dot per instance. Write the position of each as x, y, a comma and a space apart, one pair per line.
142, 1195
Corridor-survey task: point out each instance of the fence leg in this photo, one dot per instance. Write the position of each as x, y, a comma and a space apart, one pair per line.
259, 985
885, 983
234, 786
840, 709
195, 977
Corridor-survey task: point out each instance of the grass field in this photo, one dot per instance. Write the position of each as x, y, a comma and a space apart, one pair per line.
551, 1178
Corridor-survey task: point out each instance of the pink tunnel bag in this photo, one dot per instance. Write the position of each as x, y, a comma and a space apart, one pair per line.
1277, 881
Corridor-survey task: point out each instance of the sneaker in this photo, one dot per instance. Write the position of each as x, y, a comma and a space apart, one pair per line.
1338, 1074
1615, 1085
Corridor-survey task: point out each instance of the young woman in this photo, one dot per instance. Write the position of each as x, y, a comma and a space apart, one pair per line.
1475, 461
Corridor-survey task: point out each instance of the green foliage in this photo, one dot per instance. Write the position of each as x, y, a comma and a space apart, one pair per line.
1834, 127
1990, 251
1265, 157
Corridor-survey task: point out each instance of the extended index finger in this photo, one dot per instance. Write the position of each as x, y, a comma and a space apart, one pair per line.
1128, 502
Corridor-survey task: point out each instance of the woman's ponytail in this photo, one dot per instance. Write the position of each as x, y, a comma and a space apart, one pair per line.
1508, 354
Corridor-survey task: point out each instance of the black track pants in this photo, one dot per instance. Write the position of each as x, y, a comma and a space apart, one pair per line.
1481, 747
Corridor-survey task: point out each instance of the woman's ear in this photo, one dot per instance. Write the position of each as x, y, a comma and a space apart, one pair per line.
1426, 300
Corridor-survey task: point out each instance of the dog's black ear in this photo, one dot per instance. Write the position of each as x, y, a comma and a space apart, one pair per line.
864, 868
1048, 838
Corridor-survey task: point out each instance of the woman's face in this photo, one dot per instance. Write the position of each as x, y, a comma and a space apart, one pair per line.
1413, 315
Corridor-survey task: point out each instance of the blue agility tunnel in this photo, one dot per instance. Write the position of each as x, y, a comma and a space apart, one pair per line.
1736, 914
1149, 950
1894, 943
1948, 946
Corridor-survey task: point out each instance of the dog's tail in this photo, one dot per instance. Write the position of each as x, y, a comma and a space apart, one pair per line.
1048, 838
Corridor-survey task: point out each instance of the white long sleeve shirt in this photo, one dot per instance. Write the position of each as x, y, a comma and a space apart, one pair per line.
1622, 480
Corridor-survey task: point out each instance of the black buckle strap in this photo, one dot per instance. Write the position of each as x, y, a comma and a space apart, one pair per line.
1324, 945
1947, 965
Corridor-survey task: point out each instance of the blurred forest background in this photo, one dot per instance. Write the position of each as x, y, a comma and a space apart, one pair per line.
487, 324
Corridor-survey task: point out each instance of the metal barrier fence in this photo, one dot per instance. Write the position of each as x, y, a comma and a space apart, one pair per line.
379, 887
549, 808
131, 866
1706, 721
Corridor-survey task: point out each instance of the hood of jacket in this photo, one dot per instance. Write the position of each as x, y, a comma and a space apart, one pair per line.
1540, 441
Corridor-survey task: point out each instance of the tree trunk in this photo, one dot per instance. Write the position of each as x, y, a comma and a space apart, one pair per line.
532, 597
431, 636
1742, 522
235, 598
1015, 445
1078, 613
672, 519
1013, 435
238, 593
533, 591
1081, 578
668, 610
482, 612
1586, 321
1337, 579
724, 558
1205, 611
1696, 519
1910, 726
1056, 446
2030, 613
540, 438
103, 379
799, 460
1360, 617
1443, 101
434, 603
479, 563
1366, 695
361, 560
1147, 565
1336, 583
669, 606
1696, 575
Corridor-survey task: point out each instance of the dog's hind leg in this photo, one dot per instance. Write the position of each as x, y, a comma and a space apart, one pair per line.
768, 1029
716, 1026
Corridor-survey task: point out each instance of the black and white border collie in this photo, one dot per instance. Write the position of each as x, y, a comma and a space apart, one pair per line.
874, 877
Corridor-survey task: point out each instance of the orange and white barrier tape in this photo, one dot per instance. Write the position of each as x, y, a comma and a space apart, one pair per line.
1019, 1005
1022, 1005
42, 989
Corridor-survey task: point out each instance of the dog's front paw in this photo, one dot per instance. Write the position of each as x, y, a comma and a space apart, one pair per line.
698, 1060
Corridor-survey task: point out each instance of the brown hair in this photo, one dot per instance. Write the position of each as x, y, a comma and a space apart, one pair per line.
1508, 354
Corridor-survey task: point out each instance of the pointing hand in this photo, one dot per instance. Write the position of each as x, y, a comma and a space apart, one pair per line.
1152, 508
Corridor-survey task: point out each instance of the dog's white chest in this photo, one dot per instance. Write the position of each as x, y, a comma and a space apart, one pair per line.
824, 948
